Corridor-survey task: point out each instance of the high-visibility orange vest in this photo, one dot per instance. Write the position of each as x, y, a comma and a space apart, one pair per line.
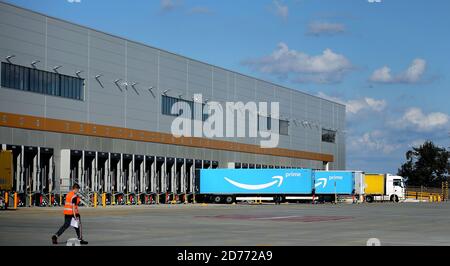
68, 205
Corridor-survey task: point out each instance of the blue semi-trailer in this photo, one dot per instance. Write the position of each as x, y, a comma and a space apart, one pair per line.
227, 185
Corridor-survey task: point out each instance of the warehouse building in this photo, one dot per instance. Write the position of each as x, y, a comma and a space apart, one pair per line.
80, 105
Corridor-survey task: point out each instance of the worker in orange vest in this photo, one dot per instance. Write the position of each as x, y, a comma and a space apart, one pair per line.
71, 211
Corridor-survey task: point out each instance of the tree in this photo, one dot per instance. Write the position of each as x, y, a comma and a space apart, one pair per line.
427, 165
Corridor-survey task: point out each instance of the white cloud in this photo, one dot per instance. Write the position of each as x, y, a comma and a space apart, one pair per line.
328, 67
413, 74
375, 141
374, 1
358, 105
281, 9
415, 119
325, 28
74, 1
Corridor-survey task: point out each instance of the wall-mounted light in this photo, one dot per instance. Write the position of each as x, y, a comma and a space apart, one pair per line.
78, 73
180, 96
56, 68
117, 81
165, 92
98, 79
34, 63
9, 57
151, 91
133, 85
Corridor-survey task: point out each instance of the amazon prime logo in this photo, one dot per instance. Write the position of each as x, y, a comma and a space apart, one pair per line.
279, 181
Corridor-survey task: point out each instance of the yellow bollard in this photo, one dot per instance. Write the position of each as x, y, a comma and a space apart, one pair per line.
6, 198
104, 200
60, 199
16, 200
95, 200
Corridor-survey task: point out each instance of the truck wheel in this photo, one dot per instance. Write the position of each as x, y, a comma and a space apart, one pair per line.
217, 199
369, 199
229, 199
394, 198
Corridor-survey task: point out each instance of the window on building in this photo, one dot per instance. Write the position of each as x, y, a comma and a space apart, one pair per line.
284, 127
266, 124
168, 102
328, 136
43, 82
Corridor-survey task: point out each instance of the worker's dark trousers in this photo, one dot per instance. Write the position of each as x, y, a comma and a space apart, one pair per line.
67, 220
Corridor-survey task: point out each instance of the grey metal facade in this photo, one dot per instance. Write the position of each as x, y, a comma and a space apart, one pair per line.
31, 36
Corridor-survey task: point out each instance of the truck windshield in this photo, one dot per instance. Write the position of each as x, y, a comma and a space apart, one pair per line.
398, 183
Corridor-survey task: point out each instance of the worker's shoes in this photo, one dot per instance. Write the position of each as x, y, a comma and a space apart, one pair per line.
54, 240
82, 242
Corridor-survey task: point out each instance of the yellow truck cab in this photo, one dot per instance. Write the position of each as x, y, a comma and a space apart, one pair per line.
383, 187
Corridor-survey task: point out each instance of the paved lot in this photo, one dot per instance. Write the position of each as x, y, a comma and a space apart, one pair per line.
266, 225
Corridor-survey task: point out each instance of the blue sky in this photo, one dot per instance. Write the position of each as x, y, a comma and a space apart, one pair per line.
388, 61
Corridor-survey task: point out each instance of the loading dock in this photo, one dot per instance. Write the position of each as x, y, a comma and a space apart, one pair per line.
189, 183
126, 176
180, 180
160, 179
137, 177
115, 176
45, 180
89, 172
170, 180
102, 182
148, 186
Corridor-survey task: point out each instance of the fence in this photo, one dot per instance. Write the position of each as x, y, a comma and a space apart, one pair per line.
428, 193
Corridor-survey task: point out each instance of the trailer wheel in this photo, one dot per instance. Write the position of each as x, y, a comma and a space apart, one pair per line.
394, 198
369, 199
229, 199
217, 199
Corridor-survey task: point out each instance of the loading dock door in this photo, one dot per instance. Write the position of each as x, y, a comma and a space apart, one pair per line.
138, 176
127, 172
46, 166
102, 175
116, 172
148, 186
197, 167
206, 164
89, 169
189, 176
180, 178
160, 175
170, 175
18, 173
31, 163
